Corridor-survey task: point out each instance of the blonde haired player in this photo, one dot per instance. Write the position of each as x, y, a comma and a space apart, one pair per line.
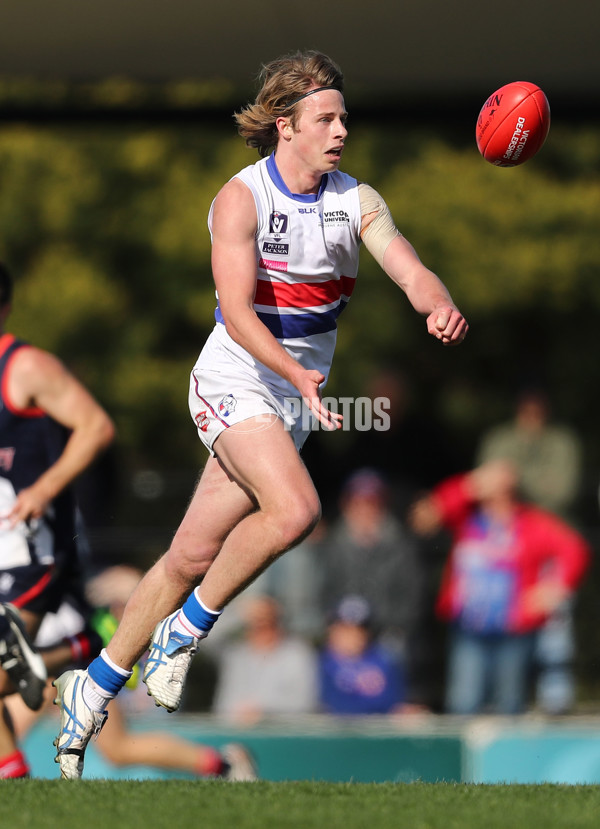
286, 234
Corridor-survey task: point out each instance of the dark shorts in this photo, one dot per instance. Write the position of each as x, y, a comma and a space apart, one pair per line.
37, 588
39, 583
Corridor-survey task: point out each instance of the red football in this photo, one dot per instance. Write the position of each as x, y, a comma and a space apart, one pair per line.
513, 124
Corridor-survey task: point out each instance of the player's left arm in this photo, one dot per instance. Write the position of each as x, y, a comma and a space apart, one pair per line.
425, 291
39, 379
398, 258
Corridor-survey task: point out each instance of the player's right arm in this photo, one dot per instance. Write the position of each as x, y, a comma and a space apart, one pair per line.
234, 268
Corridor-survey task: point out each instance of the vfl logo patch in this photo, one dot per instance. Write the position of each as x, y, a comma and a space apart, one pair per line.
227, 405
278, 223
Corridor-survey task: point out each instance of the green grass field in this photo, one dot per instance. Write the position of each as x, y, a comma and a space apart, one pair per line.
108, 804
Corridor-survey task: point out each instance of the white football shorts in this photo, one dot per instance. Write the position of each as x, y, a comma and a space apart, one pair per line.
219, 400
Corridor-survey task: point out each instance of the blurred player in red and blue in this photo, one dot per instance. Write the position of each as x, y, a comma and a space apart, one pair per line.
51, 430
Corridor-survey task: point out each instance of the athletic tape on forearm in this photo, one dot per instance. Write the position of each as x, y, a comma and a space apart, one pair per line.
381, 230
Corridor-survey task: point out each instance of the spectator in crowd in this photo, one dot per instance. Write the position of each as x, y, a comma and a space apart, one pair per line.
548, 456
268, 671
510, 567
368, 552
357, 675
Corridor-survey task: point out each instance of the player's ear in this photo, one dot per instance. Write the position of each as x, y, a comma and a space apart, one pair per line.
284, 128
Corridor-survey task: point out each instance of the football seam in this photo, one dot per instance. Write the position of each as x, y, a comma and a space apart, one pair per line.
530, 93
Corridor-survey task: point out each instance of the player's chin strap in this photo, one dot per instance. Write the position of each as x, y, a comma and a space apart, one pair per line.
310, 92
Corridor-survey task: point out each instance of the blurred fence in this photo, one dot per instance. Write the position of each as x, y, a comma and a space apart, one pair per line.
483, 750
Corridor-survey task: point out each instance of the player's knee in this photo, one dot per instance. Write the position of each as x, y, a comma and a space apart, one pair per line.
300, 520
312, 515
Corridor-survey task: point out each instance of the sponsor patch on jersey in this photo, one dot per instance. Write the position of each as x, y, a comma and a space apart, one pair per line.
335, 217
272, 265
276, 248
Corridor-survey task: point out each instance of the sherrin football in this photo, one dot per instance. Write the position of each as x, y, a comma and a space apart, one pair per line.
513, 124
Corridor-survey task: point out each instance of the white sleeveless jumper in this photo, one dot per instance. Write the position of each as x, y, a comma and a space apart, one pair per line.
307, 252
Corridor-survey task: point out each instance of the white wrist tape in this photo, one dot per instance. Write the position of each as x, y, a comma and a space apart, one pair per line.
381, 229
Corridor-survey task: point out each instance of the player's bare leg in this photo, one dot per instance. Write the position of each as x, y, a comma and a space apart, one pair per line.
267, 465
287, 507
230, 532
174, 576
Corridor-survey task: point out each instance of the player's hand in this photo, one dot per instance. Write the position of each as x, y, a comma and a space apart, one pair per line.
30, 503
309, 388
448, 325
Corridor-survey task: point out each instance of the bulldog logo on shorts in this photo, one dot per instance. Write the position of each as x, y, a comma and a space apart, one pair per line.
227, 405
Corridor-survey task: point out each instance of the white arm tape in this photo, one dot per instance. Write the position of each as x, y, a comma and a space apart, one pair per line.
381, 230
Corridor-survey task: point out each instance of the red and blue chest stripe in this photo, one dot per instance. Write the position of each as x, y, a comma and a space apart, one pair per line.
300, 309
